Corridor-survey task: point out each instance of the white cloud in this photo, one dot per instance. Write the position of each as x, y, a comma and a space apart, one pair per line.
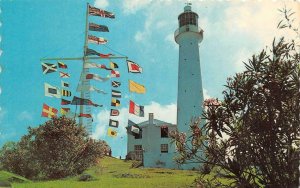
257, 20
25, 116
240, 57
132, 6
101, 3
165, 113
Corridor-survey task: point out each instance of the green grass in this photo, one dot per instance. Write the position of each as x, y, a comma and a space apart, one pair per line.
6, 178
111, 172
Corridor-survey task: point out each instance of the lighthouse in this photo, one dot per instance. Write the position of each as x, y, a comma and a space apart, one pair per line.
190, 92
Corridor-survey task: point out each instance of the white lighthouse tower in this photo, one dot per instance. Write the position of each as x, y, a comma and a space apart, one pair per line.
190, 91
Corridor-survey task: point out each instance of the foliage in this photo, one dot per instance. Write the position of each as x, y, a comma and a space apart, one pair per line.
56, 149
252, 135
113, 172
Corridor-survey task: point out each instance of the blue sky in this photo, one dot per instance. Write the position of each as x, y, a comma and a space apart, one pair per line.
143, 30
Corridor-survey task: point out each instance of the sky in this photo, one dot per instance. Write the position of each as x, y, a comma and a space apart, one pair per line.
143, 31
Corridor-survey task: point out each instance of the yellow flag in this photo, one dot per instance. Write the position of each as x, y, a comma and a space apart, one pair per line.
64, 111
111, 132
135, 87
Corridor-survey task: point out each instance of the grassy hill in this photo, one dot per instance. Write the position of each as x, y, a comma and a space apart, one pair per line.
7, 178
111, 172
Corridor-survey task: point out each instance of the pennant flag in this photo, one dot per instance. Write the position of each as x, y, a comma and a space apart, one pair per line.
96, 27
65, 102
105, 55
64, 111
133, 67
113, 123
64, 75
85, 115
136, 109
114, 112
51, 91
61, 65
115, 84
66, 93
96, 77
81, 101
94, 65
115, 74
116, 94
48, 68
64, 84
89, 88
111, 132
115, 102
99, 12
113, 65
49, 111
93, 52
135, 87
96, 40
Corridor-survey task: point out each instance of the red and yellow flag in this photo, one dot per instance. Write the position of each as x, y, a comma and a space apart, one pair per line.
49, 111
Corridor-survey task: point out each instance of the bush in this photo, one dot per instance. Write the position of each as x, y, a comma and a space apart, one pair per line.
56, 149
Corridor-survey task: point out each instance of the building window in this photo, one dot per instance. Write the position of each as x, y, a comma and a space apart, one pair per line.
164, 132
164, 148
138, 150
138, 136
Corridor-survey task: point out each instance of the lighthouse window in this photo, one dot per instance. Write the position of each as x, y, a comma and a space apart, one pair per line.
188, 18
164, 132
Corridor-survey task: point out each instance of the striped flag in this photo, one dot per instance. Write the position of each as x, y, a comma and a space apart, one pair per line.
66, 93
116, 94
65, 102
136, 109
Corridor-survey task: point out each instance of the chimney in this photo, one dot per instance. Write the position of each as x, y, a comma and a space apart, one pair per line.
151, 117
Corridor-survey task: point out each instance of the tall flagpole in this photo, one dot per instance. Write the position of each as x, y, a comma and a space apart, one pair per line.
85, 94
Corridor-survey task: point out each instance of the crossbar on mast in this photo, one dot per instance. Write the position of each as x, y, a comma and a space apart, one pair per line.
80, 58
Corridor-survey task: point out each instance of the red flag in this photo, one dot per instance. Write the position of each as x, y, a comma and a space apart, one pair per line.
133, 67
85, 115
105, 55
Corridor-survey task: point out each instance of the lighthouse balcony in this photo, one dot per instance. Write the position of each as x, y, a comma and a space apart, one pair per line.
188, 28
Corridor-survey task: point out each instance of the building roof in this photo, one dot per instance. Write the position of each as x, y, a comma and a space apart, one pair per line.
156, 122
